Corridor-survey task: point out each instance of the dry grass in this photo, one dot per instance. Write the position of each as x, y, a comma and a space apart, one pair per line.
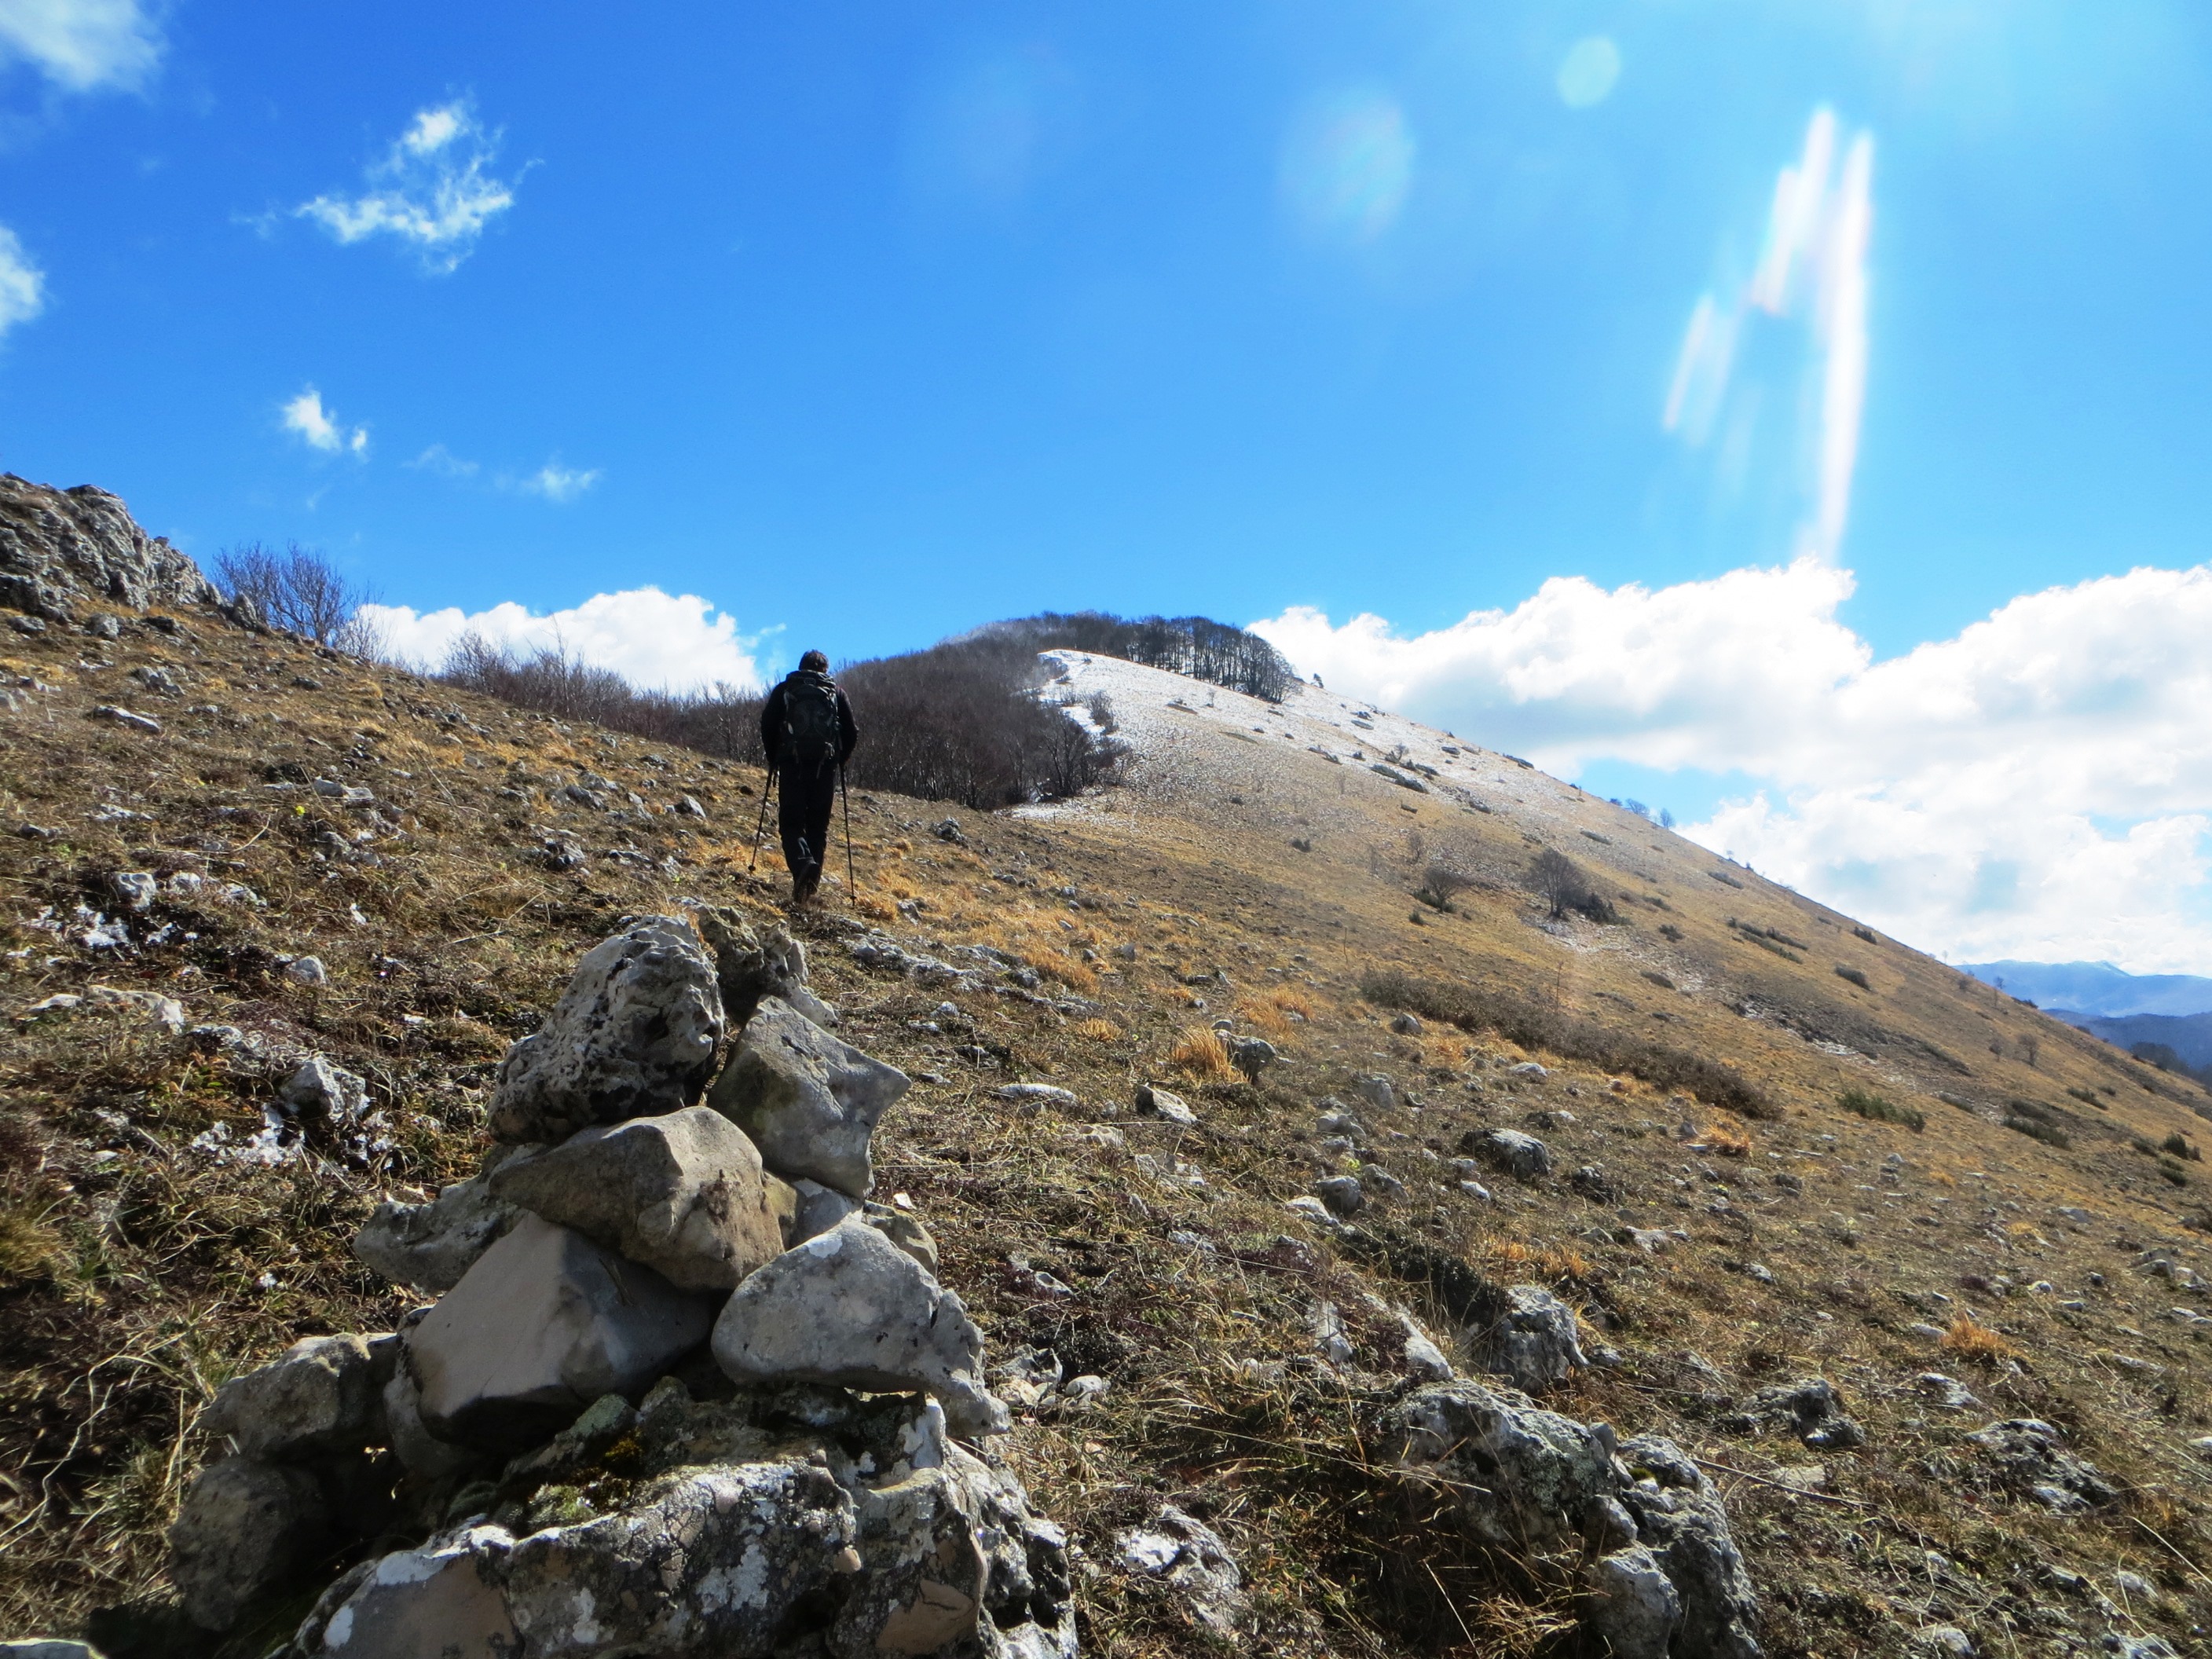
1199, 1054
1098, 1029
1512, 1257
1970, 1339
1725, 1141
1269, 1019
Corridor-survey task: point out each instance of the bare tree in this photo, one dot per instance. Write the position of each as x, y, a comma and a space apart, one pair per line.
1559, 882
1441, 884
300, 591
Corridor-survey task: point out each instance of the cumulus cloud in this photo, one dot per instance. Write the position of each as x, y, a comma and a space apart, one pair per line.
81, 46
2039, 786
671, 642
22, 284
433, 190
1811, 277
442, 461
557, 483
318, 427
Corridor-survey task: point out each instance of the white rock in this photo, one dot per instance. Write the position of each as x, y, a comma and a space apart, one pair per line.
438, 1599
319, 1396
1187, 1557
1635, 1607
850, 1307
684, 1193
544, 1323
809, 1101
1034, 1094
306, 970
166, 1012
244, 1527
1161, 1103
430, 1246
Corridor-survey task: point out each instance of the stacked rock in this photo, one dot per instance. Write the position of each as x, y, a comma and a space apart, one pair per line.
684, 1390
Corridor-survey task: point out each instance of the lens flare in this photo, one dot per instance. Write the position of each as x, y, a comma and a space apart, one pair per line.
1588, 71
1349, 166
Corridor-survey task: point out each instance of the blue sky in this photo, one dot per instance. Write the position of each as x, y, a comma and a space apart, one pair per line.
863, 324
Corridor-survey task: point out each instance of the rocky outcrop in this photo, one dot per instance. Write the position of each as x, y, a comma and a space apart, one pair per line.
1533, 1342
65, 551
634, 1035
1517, 1475
531, 1442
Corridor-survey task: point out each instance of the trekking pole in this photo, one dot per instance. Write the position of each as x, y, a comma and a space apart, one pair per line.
852, 882
768, 788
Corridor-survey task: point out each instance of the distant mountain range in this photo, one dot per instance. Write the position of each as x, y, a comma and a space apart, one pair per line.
2097, 988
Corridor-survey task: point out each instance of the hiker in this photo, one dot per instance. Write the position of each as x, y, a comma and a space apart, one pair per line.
807, 731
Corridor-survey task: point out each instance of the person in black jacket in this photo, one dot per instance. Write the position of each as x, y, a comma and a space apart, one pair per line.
808, 733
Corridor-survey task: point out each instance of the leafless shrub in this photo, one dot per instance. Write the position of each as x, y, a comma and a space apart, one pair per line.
1441, 885
1560, 882
302, 591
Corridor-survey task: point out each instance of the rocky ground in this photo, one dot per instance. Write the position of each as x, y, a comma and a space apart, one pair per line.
1908, 1313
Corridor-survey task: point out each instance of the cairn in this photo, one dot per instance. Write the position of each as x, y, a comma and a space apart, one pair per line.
685, 1389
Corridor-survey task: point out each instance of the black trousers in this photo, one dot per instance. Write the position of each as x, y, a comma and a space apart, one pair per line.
803, 817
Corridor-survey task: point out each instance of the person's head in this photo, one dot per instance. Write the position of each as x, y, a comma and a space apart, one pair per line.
814, 663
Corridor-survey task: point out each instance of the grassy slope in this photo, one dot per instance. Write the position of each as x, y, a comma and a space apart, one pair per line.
134, 1274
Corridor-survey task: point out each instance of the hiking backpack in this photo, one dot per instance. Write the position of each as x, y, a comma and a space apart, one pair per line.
810, 725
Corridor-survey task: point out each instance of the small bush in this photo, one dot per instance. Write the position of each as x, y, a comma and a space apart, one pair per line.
1658, 978
1864, 1102
1571, 1036
300, 591
1866, 933
1668, 930
2088, 1097
2176, 1146
1858, 976
1441, 884
2037, 1129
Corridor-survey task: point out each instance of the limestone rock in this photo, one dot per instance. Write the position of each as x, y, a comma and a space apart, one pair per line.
1342, 1193
1634, 1606
850, 1307
243, 1529
1519, 1155
906, 1231
1680, 1518
1190, 1560
544, 1323
430, 1246
634, 1035
710, 1560
441, 1599
819, 1209
420, 1452
1809, 1408
1519, 1472
681, 1193
1164, 1102
61, 549
1535, 1340
2031, 1455
320, 1090
320, 1396
750, 966
809, 1101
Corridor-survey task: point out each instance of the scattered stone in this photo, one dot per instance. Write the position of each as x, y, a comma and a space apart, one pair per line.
1342, 1194
948, 830
684, 1193
1313, 1210
1534, 1341
421, 1453
1943, 1641
851, 1308
320, 1090
123, 717
1421, 1358
1522, 1156
2030, 1455
306, 970
634, 1035
428, 1247
544, 1323
809, 1101
1517, 1474
1809, 1408
561, 853
1251, 1055
318, 1397
243, 1529
1376, 1090
1189, 1559
1163, 1103
1679, 1517
136, 888
1946, 1392
166, 1012
1406, 1024
751, 966
1035, 1095
1530, 1069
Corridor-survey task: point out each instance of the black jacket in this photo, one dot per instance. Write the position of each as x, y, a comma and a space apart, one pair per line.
771, 725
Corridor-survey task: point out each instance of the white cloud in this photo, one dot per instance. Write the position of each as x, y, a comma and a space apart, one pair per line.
2037, 787
649, 637
442, 461
1812, 274
557, 483
320, 429
81, 46
432, 189
22, 284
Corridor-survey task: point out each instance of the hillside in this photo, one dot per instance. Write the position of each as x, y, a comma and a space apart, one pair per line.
2097, 988
2002, 1240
